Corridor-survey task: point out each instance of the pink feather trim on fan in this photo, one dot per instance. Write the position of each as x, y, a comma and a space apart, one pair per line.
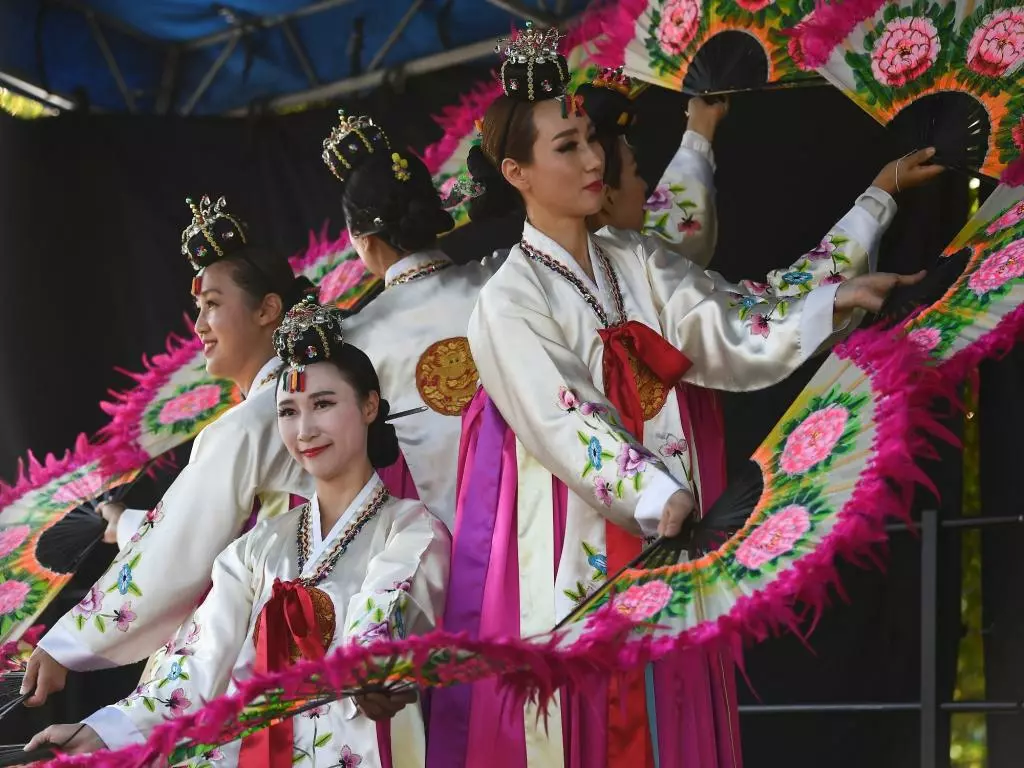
1013, 174
902, 385
33, 474
320, 244
827, 26
618, 27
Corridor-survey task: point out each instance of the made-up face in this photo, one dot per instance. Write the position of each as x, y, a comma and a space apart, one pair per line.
324, 427
625, 203
228, 323
564, 177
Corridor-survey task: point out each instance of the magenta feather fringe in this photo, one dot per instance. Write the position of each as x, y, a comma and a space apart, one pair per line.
903, 383
320, 244
33, 474
618, 28
827, 26
1013, 174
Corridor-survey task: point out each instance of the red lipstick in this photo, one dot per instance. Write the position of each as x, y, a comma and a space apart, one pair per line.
309, 453
595, 186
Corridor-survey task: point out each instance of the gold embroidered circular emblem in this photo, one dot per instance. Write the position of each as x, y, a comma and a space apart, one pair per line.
446, 376
653, 394
323, 609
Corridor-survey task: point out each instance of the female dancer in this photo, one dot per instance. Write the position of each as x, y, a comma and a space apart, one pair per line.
415, 332
580, 340
242, 292
356, 563
708, 719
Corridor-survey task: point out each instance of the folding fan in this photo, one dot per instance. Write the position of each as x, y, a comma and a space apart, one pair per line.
48, 524
954, 66
705, 46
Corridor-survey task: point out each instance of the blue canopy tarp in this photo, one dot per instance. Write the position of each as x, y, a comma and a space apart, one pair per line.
202, 57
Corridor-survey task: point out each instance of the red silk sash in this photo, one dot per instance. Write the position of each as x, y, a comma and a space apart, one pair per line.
628, 739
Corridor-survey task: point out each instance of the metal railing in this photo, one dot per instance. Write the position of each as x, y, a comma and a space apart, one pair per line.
929, 705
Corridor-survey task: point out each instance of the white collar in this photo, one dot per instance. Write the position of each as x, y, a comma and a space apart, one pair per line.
549, 247
319, 545
412, 262
263, 377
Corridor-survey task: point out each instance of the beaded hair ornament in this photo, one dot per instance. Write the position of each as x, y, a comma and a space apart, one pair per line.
608, 100
212, 235
353, 140
304, 337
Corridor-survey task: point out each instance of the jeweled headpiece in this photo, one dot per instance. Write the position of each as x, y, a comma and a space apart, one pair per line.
608, 101
213, 234
351, 141
533, 69
306, 335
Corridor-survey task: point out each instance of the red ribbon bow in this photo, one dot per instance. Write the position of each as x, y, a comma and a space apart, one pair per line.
628, 742
287, 618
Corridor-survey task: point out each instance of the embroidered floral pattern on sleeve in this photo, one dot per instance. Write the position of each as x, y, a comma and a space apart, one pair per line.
670, 214
382, 616
612, 459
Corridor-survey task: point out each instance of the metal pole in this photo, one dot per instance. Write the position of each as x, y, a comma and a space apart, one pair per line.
929, 637
525, 12
265, 22
108, 56
211, 73
165, 97
33, 91
396, 33
300, 53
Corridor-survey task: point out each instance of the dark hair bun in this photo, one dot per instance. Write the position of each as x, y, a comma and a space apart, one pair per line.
498, 198
301, 288
381, 439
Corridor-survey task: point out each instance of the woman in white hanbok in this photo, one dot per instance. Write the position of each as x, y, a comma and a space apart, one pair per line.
415, 331
357, 563
578, 451
239, 470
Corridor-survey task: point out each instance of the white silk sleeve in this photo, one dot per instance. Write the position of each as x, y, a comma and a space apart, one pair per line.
404, 588
128, 524
156, 581
547, 395
200, 669
681, 211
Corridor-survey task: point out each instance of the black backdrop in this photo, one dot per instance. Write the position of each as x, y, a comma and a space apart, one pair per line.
91, 208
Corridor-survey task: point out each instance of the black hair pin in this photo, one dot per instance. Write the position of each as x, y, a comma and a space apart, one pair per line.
409, 412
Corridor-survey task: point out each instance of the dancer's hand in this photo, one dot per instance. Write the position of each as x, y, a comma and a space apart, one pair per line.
678, 507
869, 292
111, 511
71, 739
45, 675
908, 172
703, 118
383, 706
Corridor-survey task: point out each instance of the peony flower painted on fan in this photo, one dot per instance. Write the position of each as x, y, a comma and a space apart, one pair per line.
814, 440
774, 537
906, 49
925, 339
660, 200
447, 186
12, 538
340, 279
679, 21
189, 405
998, 269
91, 604
998, 43
12, 596
642, 601
1009, 219
754, 5
88, 486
